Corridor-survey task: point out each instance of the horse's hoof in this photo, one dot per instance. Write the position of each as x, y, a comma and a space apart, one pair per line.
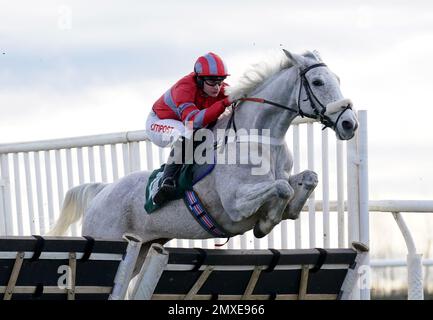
310, 180
257, 232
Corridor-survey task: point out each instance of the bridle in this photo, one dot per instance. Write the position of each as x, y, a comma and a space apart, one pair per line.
320, 114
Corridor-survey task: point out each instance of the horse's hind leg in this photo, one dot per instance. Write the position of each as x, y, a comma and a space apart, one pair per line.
304, 184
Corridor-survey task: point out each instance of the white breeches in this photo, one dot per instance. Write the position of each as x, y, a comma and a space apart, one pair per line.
164, 132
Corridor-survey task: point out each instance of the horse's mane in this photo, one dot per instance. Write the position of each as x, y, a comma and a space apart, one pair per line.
257, 73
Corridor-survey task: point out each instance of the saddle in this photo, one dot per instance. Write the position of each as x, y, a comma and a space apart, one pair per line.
189, 175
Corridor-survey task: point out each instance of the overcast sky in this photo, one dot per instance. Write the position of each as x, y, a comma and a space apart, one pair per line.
89, 67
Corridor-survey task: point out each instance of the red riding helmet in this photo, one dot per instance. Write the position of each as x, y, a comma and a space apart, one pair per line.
210, 65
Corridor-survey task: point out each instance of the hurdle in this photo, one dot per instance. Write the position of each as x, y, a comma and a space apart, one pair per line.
83, 268
66, 268
215, 274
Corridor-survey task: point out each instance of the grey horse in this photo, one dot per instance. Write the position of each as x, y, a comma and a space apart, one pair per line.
270, 96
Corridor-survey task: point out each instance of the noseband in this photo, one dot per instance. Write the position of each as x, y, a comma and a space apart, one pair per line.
319, 113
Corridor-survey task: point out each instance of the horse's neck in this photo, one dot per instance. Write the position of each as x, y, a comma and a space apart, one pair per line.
280, 88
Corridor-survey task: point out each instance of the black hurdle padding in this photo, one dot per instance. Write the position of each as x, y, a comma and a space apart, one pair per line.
39, 246
321, 260
88, 249
278, 281
45, 272
201, 258
62, 244
275, 259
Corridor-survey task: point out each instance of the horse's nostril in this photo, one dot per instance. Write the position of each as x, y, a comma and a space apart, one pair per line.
347, 125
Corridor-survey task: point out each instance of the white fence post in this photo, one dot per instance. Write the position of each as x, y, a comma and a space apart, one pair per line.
352, 190
364, 219
340, 195
2, 206
311, 199
414, 262
325, 190
8, 221
353, 198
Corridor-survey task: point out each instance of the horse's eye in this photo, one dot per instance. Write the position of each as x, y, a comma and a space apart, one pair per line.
318, 83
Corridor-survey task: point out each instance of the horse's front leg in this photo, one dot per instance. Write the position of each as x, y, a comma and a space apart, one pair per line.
303, 184
272, 196
251, 197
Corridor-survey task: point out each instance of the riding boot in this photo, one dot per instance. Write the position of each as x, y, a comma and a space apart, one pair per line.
167, 186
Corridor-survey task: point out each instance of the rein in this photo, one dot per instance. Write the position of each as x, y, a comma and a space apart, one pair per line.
264, 101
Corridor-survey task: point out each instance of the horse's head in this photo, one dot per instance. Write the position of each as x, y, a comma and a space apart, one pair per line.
319, 95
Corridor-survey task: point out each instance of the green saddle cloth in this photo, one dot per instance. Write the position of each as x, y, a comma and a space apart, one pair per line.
184, 182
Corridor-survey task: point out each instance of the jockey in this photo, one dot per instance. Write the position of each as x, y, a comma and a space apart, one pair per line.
196, 101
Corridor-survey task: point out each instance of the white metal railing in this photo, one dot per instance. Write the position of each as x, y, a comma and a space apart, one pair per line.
395, 263
52, 167
35, 175
413, 259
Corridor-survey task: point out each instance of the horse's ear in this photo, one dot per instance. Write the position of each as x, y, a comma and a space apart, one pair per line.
296, 59
317, 55
313, 55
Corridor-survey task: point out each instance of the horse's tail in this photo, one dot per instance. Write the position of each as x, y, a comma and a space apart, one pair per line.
75, 202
